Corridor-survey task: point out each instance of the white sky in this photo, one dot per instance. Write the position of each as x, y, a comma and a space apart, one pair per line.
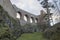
31, 6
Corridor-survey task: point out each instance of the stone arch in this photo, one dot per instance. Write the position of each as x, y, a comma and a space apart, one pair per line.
31, 20
36, 20
18, 15
26, 17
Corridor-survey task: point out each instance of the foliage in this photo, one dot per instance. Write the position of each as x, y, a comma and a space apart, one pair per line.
8, 31
53, 33
42, 27
29, 28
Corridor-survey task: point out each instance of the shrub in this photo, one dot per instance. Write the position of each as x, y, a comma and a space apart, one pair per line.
9, 27
28, 28
53, 33
42, 27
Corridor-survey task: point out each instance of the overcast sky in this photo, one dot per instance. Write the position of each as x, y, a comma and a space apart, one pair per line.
31, 6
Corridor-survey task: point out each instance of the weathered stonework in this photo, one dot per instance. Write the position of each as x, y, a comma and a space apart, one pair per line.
13, 10
29, 15
6, 4
14, 23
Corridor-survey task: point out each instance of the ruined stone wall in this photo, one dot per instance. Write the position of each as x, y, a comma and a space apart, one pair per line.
42, 18
25, 13
12, 11
6, 4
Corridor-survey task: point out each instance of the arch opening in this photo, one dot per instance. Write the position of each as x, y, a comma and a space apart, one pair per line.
31, 20
18, 15
26, 18
36, 20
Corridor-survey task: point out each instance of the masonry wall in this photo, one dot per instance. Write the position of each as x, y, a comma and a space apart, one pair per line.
42, 18
29, 15
6, 4
12, 10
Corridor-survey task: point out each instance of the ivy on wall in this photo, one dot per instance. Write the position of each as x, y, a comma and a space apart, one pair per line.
9, 27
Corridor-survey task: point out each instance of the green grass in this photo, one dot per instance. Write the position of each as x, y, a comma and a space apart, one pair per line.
31, 36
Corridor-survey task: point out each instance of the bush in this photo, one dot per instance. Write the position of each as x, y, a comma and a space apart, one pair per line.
42, 27
53, 33
5, 32
28, 28
10, 29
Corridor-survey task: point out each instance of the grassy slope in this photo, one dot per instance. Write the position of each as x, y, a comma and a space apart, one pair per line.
31, 36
